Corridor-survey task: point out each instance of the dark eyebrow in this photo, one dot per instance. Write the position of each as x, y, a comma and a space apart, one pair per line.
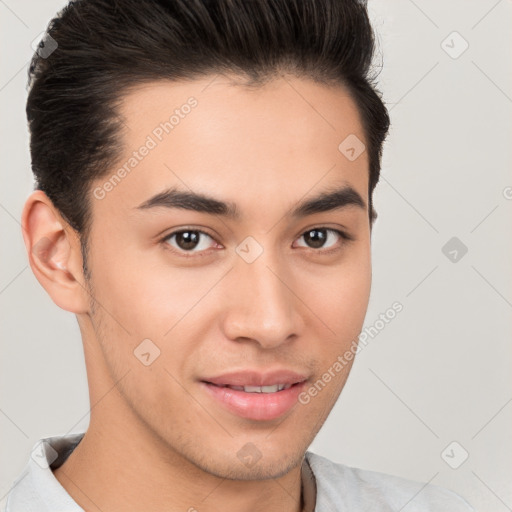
174, 198
326, 201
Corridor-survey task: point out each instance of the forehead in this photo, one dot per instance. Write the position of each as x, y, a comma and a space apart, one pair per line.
258, 146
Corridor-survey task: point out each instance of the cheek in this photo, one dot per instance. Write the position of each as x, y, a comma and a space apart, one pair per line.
339, 294
146, 297
340, 301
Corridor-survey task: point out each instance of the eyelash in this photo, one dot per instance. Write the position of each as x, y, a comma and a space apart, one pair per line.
191, 254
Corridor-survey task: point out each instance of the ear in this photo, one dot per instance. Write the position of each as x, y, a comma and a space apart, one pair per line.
373, 218
53, 250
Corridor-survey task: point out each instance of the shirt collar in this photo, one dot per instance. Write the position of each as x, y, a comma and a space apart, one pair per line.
37, 489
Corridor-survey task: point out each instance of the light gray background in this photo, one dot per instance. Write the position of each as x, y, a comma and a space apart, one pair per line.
440, 371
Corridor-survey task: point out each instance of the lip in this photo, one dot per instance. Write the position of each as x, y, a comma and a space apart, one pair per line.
255, 406
255, 378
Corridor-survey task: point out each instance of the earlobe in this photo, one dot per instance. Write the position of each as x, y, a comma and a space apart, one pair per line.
54, 253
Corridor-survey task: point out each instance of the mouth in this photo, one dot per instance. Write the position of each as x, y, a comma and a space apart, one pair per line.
274, 388
260, 403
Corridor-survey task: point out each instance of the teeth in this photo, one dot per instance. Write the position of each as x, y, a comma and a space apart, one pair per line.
261, 389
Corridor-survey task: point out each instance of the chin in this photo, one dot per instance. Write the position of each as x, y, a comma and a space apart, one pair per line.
259, 467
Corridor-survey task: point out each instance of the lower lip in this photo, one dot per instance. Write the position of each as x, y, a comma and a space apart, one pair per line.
255, 406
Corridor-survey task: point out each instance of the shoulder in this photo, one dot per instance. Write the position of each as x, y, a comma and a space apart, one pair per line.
341, 487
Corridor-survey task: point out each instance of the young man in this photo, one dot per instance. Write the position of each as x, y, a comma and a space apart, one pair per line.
205, 172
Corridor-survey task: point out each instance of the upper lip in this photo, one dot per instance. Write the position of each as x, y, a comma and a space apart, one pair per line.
255, 378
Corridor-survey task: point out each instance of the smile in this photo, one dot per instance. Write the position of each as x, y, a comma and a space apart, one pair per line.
261, 403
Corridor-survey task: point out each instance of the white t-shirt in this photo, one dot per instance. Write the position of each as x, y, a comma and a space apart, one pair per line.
338, 487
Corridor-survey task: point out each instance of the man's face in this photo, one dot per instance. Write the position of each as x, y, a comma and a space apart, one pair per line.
263, 292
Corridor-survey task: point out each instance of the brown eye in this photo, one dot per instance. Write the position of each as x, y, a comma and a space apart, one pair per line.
186, 240
323, 238
315, 238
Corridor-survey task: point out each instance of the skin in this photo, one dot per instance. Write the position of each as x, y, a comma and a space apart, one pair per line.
156, 441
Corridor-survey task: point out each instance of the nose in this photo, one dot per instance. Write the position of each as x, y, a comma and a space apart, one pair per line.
262, 304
